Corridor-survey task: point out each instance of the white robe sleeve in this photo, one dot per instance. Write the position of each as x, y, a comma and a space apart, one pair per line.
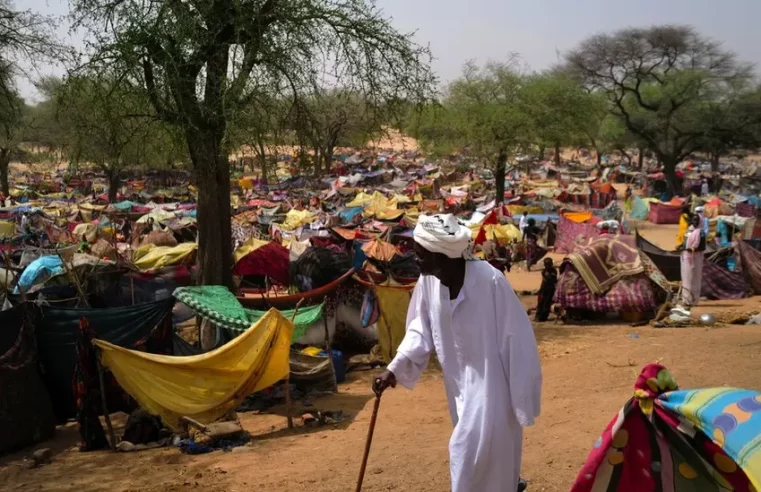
518, 352
415, 350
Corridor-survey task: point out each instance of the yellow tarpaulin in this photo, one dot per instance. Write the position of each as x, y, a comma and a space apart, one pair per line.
382, 208
251, 245
362, 199
204, 387
7, 229
152, 257
516, 210
392, 323
506, 233
297, 218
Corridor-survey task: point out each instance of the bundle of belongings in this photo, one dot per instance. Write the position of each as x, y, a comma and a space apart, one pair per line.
665, 438
610, 275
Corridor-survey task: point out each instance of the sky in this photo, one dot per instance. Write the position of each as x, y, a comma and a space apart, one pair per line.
538, 30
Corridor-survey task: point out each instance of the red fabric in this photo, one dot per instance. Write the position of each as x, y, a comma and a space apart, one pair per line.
662, 213
271, 260
643, 448
490, 219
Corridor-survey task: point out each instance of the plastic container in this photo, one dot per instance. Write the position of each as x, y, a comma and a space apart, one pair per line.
337, 357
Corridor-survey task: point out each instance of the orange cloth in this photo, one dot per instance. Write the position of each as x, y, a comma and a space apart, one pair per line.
578, 217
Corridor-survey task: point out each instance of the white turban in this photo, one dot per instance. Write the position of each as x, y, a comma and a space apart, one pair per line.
444, 234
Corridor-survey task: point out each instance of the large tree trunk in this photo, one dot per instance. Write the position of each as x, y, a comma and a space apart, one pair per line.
5, 162
317, 161
599, 157
328, 159
715, 158
113, 185
640, 158
541, 152
669, 169
499, 175
212, 172
557, 154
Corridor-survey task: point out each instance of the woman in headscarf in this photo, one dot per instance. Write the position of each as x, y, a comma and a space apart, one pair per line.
692, 264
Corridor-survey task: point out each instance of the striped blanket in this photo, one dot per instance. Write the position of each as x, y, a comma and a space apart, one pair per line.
666, 439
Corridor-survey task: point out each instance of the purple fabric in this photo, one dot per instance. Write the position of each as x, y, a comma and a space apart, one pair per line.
719, 283
570, 234
631, 294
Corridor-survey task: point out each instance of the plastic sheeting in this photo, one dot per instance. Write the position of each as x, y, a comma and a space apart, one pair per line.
57, 330
204, 387
38, 271
151, 257
26, 415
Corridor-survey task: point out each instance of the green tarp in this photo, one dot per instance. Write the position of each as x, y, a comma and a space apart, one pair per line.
219, 305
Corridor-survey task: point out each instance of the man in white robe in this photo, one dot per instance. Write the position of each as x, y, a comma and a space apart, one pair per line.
467, 312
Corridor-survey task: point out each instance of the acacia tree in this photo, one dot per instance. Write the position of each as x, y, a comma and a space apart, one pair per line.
559, 109
262, 126
329, 118
13, 119
24, 37
197, 62
485, 106
104, 124
658, 80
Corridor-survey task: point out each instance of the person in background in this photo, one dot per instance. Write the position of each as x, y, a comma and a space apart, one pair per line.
546, 291
531, 235
704, 190
468, 313
523, 224
628, 200
692, 264
700, 212
684, 223
25, 223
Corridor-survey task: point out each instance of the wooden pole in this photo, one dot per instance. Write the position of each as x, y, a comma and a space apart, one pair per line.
327, 342
288, 403
132, 289
106, 415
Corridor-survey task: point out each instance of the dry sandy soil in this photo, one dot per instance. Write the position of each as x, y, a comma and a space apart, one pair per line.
588, 374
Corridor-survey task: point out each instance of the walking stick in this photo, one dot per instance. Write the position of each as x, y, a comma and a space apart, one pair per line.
369, 440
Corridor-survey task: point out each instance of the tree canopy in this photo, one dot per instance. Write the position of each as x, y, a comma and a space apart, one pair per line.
663, 83
199, 62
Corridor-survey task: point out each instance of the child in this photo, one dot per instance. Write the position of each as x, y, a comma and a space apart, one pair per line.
546, 291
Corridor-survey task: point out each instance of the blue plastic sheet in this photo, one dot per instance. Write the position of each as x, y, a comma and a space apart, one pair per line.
48, 266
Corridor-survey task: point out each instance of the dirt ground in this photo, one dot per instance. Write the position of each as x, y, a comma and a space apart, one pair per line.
588, 375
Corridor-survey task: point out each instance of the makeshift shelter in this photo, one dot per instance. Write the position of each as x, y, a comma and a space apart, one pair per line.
150, 257
573, 230
263, 258
670, 439
173, 387
217, 304
26, 414
664, 213
610, 276
717, 282
145, 326
749, 263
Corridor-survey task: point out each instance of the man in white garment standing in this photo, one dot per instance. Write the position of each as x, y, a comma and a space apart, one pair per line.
467, 312
523, 224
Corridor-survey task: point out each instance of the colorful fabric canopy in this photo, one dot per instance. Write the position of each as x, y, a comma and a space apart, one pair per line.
665, 439
204, 387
